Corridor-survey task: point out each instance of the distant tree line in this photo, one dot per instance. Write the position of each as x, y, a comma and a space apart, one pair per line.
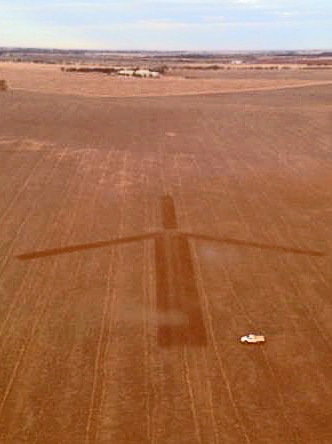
91, 70
162, 69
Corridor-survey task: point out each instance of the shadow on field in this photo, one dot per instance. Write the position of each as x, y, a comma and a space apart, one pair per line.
176, 284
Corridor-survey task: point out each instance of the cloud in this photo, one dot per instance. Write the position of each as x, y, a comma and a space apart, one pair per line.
63, 6
213, 18
152, 25
167, 23
247, 2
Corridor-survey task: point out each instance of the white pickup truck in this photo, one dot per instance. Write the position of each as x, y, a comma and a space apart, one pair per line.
252, 339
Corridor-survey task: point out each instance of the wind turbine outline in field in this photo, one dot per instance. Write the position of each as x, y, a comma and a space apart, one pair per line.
176, 287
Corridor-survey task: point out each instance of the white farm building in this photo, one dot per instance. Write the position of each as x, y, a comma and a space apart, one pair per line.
146, 73
142, 73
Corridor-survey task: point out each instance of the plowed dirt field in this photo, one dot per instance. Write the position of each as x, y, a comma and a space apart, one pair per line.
140, 238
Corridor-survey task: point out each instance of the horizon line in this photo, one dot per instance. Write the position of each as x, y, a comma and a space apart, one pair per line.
133, 50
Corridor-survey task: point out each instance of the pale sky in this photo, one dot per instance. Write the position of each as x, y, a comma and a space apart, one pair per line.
167, 24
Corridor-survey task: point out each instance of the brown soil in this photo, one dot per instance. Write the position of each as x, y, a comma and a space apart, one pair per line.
140, 238
50, 79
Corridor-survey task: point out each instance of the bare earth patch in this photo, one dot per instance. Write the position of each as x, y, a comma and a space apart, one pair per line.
50, 79
140, 239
